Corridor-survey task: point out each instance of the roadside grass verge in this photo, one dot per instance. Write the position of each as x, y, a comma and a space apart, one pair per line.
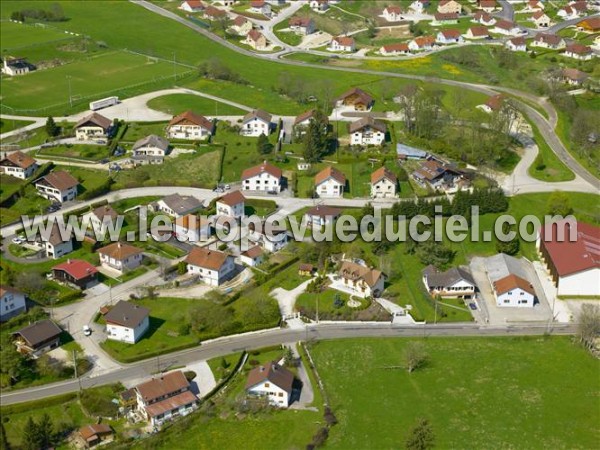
547, 166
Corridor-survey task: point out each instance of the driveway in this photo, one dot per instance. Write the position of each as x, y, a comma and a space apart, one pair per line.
307, 394
287, 299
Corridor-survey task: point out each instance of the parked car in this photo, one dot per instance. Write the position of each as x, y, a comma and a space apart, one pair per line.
227, 187
104, 161
87, 331
272, 192
18, 240
473, 306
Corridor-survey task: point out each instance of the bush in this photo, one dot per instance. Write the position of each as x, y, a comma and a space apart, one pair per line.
189, 375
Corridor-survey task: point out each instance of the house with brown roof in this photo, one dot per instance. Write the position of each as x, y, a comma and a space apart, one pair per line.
191, 228
399, 48
507, 28
330, 183
121, 256
547, 40
268, 236
177, 205
93, 127
516, 44
256, 122
579, 51
89, 436
456, 282
192, 6
488, 6
151, 149
190, 126
127, 322
574, 77
165, 398
392, 13
449, 36
58, 186
260, 7
212, 266
570, 250
361, 280
573, 10
37, 338
384, 183
483, 18
322, 215
302, 25
444, 19
102, 218
212, 13
591, 24
436, 175
18, 164
540, 19
356, 99
231, 204
76, 272
449, 6
302, 122
241, 26
271, 381
422, 43
509, 279
492, 104
53, 243
256, 40
367, 131
12, 303
253, 256
342, 44
264, 177
479, 32
533, 6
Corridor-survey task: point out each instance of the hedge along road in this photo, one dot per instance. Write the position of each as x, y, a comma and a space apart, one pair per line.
546, 127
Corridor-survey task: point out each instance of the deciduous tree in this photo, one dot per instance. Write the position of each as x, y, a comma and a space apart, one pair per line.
415, 356
588, 324
421, 436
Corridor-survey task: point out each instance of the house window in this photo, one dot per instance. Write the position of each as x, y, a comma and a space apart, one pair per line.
280, 394
267, 385
506, 301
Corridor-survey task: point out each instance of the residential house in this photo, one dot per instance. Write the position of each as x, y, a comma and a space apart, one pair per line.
437, 176
509, 280
484, 18
319, 5
256, 122
406, 152
16, 66
127, 322
192, 228
302, 25
121, 256
165, 398
367, 131
399, 48
58, 186
533, 6
392, 13
190, 126
89, 436
321, 215
253, 256
444, 19
12, 303
449, 7
241, 26
540, 19
37, 338
212, 13
356, 99
449, 36
177, 205
422, 43
342, 44
260, 7
271, 381
18, 165
492, 104
256, 40
551, 41
76, 272
579, 51
574, 77
361, 280
479, 32
271, 240
302, 122
507, 28
591, 24
516, 44
231, 204
150, 150
94, 127
384, 183
264, 177
213, 267
571, 253
330, 183
456, 282
572, 11
192, 6
488, 6
419, 6
306, 270
54, 246
102, 218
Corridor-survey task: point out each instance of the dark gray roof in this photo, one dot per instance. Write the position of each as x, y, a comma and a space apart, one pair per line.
407, 150
502, 265
126, 314
263, 115
452, 276
182, 204
152, 141
39, 332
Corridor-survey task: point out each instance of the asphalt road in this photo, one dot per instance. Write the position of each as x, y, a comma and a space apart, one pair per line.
249, 341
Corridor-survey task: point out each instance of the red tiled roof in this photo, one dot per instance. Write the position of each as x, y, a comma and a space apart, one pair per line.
393, 9
495, 102
538, 14
451, 33
300, 22
506, 25
171, 403
20, 159
578, 49
120, 250
381, 173
239, 21
445, 16
479, 31
367, 121
205, 258
330, 172
253, 252
192, 118
95, 119
90, 432
518, 41
232, 198
211, 11
77, 268
511, 282
592, 23
162, 386
345, 41
362, 95
264, 167
60, 179
424, 41
396, 47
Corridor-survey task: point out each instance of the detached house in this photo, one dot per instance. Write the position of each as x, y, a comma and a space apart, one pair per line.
241, 26
540, 19
484, 18
302, 25
488, 5
57, 186
260, 7
55, 246
127, 322
37, 338
591, 24
445, 18
507, 28
421, 43
394, 49
367, 131
18, 164
509, 281
319, 5
212, 13
493, 104
213, 267
256, 40
101, 217
418, 6
533, 6
321, 215
264, 177
435, 175
356, 99
361, 280
302, 122
192, 228
16, 66
449, 6
89, 436
121, 256
551, 41
384, 183
192, 6
330, 183
456, 282
478, 33
271, 240
12, 303
165, 398
342, 44
579, 51
573, 10
271, 381
449, 36
253, 256
256, 122
516, 44
392, 13
231, 204
76, 272
150, 150
93, 127
190, 126
177, 205
574, 77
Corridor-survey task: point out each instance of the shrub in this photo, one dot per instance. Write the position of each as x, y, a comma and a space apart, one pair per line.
189, 375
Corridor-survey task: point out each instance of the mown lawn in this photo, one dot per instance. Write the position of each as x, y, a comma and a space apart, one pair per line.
87, 152
177, 103
547, 166
476, 392
16, 35
7, 125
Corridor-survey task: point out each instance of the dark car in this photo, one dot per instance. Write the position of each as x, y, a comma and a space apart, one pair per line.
272, 192
104, 161
473, 306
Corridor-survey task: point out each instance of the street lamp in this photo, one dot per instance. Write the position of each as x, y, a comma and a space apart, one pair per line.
70, 98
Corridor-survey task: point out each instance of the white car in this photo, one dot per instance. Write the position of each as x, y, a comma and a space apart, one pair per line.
87, 331
18, 240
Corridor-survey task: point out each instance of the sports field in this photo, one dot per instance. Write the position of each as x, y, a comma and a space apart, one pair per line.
16, 35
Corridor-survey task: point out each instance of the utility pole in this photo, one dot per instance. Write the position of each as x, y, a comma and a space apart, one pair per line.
174, 71
75, 367
70, 97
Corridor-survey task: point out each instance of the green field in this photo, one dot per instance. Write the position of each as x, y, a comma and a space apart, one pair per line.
177, 103
7, 125
16, 35
476, 393
547, 166
78, 151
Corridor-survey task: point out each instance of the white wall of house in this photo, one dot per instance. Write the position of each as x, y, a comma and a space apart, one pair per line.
330, 188
213, 277
90, 133
275, 395
230, 210
58, 250
367, 136
586, 57
391, 16
19, 172
458, 289
582, 283
252, 262
335, 46
363, 289
125, 334
255, 127
129, 263
193, 235
53, 194
262, 182
190, 132
383, 188
11, 304
516, 297
269, 243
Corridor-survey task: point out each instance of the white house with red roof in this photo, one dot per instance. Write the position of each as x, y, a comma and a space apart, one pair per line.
256, 122
264, 177
571, 252
342, 44
330, 183
190, 126
507, 28
383, 183
120, 256
192, 6
241, 26
253, 256
213, 266
59, 186
541, 19
514, 291
76, 272
231, 204
260, 7
392, 13
18, 165
449, 36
